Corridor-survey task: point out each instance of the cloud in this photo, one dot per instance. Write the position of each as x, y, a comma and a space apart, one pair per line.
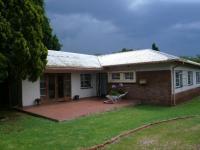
187, 26
102, 26
181, 1
143, 5
137, 3
79, 22
83, 31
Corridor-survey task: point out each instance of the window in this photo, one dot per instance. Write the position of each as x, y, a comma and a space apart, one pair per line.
115, 76
198, 77
86, 81
179, 79
190, 78
128, 76
122, 77
42, 86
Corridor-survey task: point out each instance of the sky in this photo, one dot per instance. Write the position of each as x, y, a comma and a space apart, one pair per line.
106, 26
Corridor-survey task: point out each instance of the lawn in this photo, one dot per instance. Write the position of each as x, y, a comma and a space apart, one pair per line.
176, 135
22, 131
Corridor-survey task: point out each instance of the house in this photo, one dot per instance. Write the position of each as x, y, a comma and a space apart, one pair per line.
150, 76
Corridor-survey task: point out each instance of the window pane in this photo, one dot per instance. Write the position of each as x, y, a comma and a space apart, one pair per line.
190, 78
42, 92
198, 77
86, 80
42, 86
115, 76
179, 79
128, 76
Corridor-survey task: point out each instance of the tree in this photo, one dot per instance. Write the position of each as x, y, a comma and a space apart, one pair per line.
195, 59
155, 47
124, 50
25, 35
49, 40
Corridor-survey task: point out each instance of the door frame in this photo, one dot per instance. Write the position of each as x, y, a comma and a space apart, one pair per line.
56, 86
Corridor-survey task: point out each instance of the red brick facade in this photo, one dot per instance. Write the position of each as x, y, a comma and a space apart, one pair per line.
187, 95
157, 89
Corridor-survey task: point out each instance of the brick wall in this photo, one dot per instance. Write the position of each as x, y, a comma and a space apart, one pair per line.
157, 89
187, 95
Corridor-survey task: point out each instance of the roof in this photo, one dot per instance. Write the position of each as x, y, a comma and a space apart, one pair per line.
72, 60
135, 57
82, 61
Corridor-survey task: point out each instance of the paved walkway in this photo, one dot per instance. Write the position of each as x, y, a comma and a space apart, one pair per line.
61, 111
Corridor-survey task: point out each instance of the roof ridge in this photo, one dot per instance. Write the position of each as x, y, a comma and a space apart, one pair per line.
71, 53
163, 53
123, 52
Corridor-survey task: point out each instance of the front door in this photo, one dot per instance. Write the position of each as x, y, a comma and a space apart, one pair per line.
102, 84
59, 86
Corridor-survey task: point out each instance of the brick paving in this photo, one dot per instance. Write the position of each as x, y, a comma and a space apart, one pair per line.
61, 111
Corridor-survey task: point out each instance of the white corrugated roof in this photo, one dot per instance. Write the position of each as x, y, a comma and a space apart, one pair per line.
135, 57
71, 60
75, 60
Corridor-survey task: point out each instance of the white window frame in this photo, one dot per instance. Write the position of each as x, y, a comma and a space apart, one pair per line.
122, 77
115, 73
83, 79
197, 77
190, 78
130, 76
43, 81
179, 79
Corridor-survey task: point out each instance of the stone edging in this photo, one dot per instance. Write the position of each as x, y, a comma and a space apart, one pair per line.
124, 134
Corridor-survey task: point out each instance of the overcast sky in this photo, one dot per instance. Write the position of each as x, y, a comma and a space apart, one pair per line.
104, 26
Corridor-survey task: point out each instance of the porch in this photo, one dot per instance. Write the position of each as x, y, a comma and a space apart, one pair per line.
61, 111
55, 87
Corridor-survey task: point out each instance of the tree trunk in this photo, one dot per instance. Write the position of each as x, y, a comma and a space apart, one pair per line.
4, 95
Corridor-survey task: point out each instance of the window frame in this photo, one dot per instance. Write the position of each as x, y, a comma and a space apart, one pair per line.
130, 75
197, 77
190, 78
122, 78
179, 79
115, 73
84, 80
43, 81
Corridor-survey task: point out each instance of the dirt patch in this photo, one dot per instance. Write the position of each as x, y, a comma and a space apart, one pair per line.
125, 134
147, 142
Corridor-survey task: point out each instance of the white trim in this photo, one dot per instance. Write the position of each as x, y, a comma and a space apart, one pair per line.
83, 79
179, 79
190, 78
186, 87
197, 77
121, 80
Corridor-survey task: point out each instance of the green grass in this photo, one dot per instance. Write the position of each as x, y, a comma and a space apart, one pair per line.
176, 135
26, 132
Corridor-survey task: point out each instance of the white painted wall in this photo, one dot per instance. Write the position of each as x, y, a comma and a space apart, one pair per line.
30, 91
185, 79
76, 86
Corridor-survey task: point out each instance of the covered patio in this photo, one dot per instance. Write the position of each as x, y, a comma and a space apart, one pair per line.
62, 111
